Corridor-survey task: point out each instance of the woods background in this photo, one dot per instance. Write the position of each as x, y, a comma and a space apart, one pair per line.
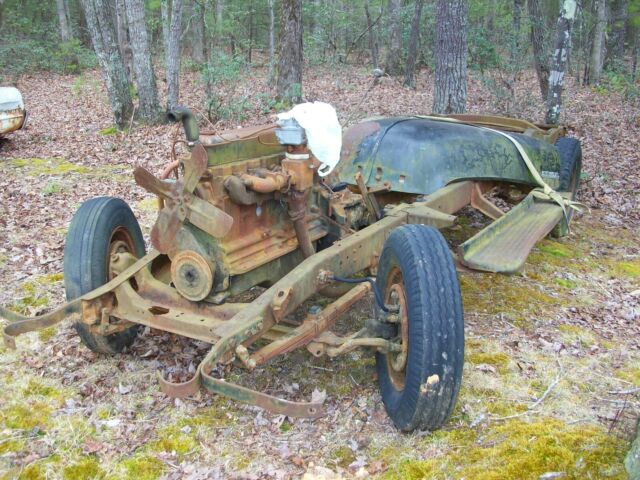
595, 40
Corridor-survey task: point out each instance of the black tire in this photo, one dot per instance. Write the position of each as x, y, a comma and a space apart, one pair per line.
419, 257
570, 153
94, 229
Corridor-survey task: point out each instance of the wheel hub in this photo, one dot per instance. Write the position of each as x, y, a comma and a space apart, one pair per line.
191, 275
397, 361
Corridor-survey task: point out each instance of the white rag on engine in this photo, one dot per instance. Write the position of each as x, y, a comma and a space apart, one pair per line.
324, 133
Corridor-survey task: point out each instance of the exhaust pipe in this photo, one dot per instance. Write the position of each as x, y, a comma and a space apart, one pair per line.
189, 122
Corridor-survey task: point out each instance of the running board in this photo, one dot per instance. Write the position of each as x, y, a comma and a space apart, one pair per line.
504, 245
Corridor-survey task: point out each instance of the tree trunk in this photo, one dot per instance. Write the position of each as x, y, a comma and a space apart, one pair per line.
450, 90
414, 42
373, 39
101, 25
219, 20
173, 55
597, 46
537, 41
559, 61
272, 41
165, 20
124, 42
619, 23
394, 49
65, 30
516, 23
289, 82
149, 107
197, 45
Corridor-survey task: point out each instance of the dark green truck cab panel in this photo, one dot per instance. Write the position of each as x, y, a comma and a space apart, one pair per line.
420, 155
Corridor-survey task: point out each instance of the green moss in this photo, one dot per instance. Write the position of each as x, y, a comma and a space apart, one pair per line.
143, 467
520, 450
566, 283
629, 374
36, 388
103, 413
26, 417
343, 456
148, 204
46, 334
499, 360
627, 269
86, 469
33, 471
14, 445
109, 130
172, 439
48, 166
51, 278
513, 297
573, 334
555, 249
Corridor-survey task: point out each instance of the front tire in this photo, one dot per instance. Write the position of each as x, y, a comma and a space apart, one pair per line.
101, 226
416, 272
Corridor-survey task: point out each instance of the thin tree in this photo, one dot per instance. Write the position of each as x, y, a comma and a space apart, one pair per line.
414, 42
559, 60
197, 29
63, 17
596, 60
100, 17
373, 38
272, 41
450, 91
149, 107
619, 25
289, 81
393, 61
537, 41
124, 43
165, 20
173, 55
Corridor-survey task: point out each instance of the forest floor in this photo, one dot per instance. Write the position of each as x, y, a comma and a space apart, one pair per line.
552, 356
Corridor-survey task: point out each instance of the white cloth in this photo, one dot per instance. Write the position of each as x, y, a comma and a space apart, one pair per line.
10, 99
324, 133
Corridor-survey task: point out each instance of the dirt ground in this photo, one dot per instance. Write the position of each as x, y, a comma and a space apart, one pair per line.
552, 361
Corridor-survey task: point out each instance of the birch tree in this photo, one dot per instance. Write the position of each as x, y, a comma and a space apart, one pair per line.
100, 17
559, 60
450, 90
149, 106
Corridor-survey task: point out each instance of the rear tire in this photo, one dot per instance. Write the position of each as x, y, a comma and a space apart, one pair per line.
99, 226
570, 153
416, 267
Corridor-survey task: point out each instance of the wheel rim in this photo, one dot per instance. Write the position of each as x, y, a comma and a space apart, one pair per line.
397, 361
121, 241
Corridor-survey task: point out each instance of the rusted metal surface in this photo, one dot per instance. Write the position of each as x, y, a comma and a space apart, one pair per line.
12, 120
249, 212
504, 245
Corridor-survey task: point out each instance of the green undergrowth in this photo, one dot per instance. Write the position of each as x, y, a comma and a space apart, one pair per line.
516, 449
629, 374
34, 294
515, 298
630, 269
87, 468
573, 334
48, 166
112, 130
141, 467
